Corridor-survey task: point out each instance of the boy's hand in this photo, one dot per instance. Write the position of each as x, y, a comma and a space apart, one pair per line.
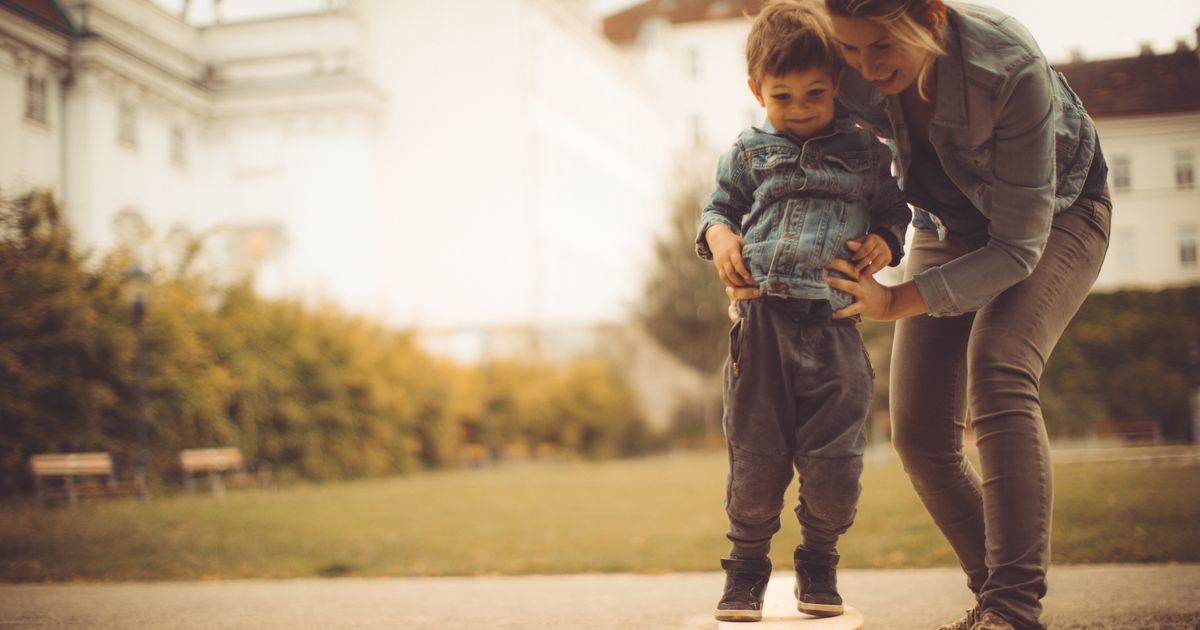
870, 254
726, 249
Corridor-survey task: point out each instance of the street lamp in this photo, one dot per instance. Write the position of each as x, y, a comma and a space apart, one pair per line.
137, 288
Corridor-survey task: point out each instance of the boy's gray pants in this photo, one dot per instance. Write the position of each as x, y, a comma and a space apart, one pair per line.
797, 392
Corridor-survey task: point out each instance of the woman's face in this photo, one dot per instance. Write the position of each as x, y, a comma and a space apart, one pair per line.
873, 52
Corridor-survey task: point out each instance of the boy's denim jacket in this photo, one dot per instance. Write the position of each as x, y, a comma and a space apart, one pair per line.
796, 203
1011, 134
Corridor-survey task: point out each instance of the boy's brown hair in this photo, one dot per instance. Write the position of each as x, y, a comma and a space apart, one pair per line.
791, 36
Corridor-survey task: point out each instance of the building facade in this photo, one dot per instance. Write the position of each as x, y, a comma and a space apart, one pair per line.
409, 161
1147, 112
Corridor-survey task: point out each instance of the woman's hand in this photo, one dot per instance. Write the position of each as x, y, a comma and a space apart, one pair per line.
871, 299
870, 254
726, 248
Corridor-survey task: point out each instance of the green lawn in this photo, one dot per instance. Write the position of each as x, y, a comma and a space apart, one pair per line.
649, 515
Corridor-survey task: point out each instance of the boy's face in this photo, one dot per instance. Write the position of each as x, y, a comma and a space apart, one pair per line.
800, 103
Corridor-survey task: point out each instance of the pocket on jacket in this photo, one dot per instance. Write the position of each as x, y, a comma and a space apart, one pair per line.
853, 162
772, 157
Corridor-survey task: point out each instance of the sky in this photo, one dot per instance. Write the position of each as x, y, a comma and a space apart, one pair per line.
1098, 28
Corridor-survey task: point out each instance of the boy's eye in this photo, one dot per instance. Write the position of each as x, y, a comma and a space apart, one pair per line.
881, 46
814, 93
781, 97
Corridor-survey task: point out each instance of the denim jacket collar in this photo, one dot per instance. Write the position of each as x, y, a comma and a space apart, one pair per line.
951, 107
835, 126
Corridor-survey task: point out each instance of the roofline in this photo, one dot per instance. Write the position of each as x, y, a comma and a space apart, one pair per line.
1141, 113
71, 29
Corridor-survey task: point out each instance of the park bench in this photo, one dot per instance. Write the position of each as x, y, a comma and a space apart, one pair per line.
76, 475
220, 466
1128, 432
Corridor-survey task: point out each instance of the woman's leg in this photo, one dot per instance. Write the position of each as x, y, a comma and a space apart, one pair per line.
1011, 340
928, 407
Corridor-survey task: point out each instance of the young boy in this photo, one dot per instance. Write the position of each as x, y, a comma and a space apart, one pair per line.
790, 195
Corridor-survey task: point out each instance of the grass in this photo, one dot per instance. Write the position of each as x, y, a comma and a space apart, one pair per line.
649, 515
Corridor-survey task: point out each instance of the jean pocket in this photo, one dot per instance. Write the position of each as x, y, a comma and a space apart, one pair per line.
867, 357
736, 333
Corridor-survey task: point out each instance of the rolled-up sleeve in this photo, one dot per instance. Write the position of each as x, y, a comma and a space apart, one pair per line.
728, 203
1022, 201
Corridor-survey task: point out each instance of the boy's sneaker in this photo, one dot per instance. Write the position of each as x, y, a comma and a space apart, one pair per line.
745, 588
816, 583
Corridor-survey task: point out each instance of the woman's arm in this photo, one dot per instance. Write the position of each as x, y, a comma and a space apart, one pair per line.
1021, 202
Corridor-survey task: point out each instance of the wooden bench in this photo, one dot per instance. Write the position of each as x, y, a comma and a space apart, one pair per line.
220, 466
70, 469
1128, 431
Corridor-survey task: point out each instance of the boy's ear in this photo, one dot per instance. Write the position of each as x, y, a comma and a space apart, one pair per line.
754, 90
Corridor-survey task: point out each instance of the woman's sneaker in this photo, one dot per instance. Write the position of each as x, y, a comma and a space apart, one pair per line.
991, 621
745, 588
968, 619
816, 583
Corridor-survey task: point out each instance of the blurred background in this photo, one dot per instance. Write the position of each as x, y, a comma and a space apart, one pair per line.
355, 238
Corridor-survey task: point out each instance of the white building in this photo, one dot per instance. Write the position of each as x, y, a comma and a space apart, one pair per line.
35, 44
1147, 111
694, 55
424, 163
526, 164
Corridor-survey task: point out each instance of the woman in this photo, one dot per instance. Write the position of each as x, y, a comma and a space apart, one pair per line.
1003, 165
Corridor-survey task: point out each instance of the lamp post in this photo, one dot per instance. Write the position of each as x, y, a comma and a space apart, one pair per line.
137, 287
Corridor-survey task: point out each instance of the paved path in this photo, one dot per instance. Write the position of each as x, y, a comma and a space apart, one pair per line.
1097, 596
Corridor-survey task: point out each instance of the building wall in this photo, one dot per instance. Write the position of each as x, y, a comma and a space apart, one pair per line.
698, 71
1155, 217
523, 163
32, 149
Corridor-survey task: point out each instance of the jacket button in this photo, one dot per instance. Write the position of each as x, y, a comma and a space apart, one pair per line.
776, 285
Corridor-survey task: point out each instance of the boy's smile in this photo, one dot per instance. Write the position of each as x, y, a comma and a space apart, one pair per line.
800, 103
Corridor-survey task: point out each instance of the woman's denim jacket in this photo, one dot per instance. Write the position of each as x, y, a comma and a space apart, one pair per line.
1011, 134
796, 203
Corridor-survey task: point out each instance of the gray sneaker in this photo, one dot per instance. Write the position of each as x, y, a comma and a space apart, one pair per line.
816, 583
968, 619
745, 588
991, 621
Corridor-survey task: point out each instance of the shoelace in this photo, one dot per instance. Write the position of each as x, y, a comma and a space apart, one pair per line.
744, 583
821, 577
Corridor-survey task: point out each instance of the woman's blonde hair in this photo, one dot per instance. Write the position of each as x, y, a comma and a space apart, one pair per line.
909, 22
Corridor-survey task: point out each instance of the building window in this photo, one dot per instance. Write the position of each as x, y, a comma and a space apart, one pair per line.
1185, 177
127, 124
1121, 178
1187, 246
693, 63
35, 99
178, 146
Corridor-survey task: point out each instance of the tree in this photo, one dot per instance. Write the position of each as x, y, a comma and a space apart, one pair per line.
683, 305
